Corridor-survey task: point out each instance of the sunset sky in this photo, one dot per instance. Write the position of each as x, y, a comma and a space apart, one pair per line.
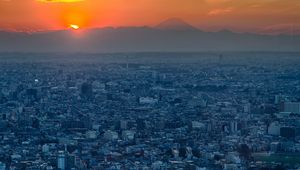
264, 16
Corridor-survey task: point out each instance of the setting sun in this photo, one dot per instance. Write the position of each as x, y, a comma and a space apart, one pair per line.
75, 27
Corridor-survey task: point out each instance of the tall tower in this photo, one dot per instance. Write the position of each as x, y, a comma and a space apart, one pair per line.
127, 64
220, 59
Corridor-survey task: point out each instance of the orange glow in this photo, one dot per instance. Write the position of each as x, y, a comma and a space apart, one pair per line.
236, 15
73, 15
75, 27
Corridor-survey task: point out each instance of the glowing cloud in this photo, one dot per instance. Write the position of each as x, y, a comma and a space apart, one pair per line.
220, 11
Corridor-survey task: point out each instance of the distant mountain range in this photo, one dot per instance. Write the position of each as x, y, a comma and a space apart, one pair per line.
172, 35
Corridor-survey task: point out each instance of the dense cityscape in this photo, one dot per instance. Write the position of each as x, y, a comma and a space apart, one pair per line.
140, 111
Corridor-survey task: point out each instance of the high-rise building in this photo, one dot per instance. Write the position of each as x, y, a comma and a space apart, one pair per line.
233, 126
141, 125
288, 132
111, 135
128, 135
70, 162
2, 166
45, 148
274, 128
247, 108
61, 160
86, 90
123, 124
293, 107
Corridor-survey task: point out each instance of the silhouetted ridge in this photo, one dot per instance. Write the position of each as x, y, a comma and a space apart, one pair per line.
175, 24
145, 39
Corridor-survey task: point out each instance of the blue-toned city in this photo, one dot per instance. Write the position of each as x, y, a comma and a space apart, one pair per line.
150, 111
